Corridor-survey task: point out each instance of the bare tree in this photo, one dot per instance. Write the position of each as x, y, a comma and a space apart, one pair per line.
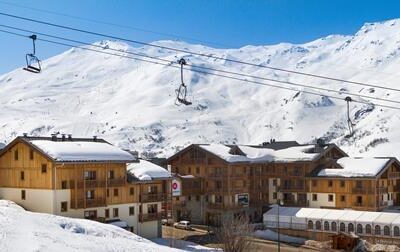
233, 234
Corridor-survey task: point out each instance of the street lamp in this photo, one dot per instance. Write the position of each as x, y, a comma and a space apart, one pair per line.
280, 202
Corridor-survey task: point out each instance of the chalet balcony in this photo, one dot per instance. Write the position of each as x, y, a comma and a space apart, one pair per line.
394, 175
88, 203
381, 190
361, 204
293, 188
150, 216
179, 204
362, 190
217, 175
153, 197
116, 182
191, 191
91, 183
293, 203
222, 206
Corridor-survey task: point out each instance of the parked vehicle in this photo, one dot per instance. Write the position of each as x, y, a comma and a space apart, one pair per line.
167, 222
183, 225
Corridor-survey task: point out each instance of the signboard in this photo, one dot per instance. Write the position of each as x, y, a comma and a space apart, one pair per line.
243, 199
176, 187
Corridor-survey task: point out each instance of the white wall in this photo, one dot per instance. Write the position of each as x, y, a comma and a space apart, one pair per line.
149, 229
36, 200
322, 200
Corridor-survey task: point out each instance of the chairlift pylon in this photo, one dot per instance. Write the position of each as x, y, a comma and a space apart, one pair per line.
350, 124
181, 92
32, 62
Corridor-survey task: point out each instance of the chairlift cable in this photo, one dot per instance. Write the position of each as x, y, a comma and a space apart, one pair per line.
197, 53
207, 68
210, 73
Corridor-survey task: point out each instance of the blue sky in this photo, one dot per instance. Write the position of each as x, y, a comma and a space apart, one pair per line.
217, 23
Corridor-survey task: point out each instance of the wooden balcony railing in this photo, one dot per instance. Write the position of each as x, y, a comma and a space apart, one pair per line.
394, 174
293, 203
116, 182
91, 183
88, 203
150, 216
362, 190
221, 206
153, 197
295, 188
361, 204
381, 190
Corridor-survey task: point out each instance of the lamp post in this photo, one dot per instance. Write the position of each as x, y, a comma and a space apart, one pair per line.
280, 202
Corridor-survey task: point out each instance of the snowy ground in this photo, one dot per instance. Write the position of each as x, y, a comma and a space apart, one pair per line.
184, 245
24, 231
131, 103
273, 236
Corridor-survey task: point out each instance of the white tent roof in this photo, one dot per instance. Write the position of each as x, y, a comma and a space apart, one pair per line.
351, 215
368, 217
386, 218
334, 215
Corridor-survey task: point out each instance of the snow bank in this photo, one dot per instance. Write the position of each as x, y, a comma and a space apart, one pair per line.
82, 151
356, 167
273, 236
26, 231
145, 170
185, 245
253, 154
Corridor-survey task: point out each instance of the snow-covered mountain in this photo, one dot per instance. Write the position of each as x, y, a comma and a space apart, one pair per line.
131, 103
22, 230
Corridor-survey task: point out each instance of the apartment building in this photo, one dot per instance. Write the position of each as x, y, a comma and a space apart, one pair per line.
81, 178
221, 181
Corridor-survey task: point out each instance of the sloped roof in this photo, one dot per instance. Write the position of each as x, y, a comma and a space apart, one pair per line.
145, 170
356, 167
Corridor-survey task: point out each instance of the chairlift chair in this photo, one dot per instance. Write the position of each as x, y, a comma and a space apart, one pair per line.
32, 62
181, 92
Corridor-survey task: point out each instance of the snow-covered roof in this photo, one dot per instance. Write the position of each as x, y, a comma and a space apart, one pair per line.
259, 154
145, 170
76, 151
304, 214
356, 167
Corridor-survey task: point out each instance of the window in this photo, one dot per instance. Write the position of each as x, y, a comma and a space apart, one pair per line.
310, 225
189, 198
90, 175
90, 194
197, 170
359, 184
359, 200
326, 226
206, 198
44, 168
314, 183
22, 175
90, 214
107, 213
342, 183
333, 225
342, 198
197, 197
314, 197
342, 227
218, 199
274, 182
111, 174
368, 229
152, 189
396, 231
16, 155
377, 230
386, 230
177, 198
64, 206
115, 192
350, 227
64, 184
330, 197
131, 210
189, 170
108, 192
274, 195
131, 191
31, 154
318, 225
23, 195
152, 208
115, 212
359, 229
218, 184
330, 183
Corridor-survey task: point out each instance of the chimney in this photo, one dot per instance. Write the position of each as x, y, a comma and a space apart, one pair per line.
70, 137
63, 137
94, 138
25, 134
54, 137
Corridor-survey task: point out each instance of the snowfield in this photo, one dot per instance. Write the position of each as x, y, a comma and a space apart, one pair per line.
131, 103
24, 231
